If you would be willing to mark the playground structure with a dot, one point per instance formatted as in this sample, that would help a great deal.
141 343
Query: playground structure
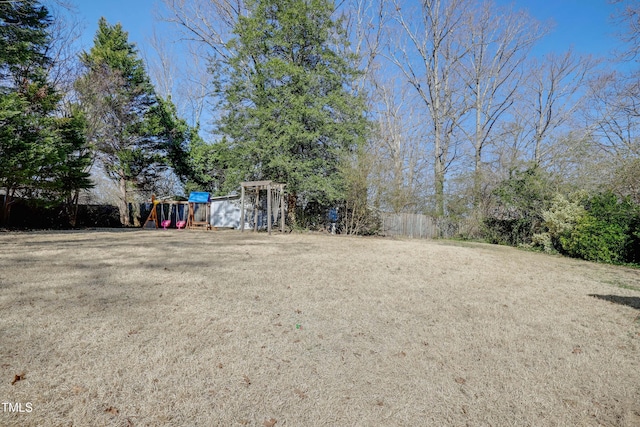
171 213
175 213
199 210
260 201
274 194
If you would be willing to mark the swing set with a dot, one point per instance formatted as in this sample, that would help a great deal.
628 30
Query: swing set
172 212
265 198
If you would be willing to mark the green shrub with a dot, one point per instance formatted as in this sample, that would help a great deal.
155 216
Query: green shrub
608 232
559 220
518 203
596 240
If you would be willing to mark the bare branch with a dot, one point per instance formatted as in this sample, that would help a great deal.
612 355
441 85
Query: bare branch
429 54
209 22
554 92
499 41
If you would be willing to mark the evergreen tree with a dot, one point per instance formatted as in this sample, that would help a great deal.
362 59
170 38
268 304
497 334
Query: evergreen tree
288 113
117 94
72 175
24 40
34 149
186 152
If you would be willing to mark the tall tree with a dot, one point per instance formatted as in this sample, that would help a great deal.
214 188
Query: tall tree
35 148
118 96
429 56
288 112
72 175
397 147
498 43
553 93
614 114
23 95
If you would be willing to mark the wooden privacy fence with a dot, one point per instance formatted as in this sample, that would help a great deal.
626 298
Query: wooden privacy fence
418 226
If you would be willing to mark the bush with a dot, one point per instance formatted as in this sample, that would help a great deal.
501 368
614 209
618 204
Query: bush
516 214
506 231
607 232
596 240
559 220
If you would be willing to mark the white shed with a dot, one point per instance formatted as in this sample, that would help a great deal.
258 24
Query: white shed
225 211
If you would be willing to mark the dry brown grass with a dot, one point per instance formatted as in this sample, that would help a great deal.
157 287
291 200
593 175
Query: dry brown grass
181 328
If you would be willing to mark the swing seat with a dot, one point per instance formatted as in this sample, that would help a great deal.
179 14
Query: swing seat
181 224
166 223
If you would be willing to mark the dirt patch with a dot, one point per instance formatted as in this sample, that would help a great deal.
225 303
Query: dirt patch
152 328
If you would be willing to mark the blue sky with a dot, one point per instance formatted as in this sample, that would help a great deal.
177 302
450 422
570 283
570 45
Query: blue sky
583 24
136 16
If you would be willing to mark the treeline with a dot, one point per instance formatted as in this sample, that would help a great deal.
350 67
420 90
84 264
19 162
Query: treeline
288 112
464 121
435 107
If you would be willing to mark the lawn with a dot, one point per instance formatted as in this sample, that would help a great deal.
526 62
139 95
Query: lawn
195 328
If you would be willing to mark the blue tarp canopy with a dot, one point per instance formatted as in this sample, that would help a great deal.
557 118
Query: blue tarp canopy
199 197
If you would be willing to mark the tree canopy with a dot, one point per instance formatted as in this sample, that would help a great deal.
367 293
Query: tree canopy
40 152
117 92
289 113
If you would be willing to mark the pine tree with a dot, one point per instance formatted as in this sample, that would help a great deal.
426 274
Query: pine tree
73 174
34 149
24 39
289 115
181 143
117 94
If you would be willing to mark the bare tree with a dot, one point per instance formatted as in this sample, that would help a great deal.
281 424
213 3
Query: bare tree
614 113
162 65
398 146
428 51
65 32
553 92
498 41
365 21
208 22
628 18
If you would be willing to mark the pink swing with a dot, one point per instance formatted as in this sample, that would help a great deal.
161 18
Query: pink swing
165 222
180 222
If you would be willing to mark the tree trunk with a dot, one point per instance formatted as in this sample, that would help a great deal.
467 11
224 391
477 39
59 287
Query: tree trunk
71 207
438 170
477 173
536 150
477 177
439 187
291 209
123 206
6 207
136 213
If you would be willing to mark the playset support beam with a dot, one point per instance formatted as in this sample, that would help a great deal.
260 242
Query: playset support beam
254 188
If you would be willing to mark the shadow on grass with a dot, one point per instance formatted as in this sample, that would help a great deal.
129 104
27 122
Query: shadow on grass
633 302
